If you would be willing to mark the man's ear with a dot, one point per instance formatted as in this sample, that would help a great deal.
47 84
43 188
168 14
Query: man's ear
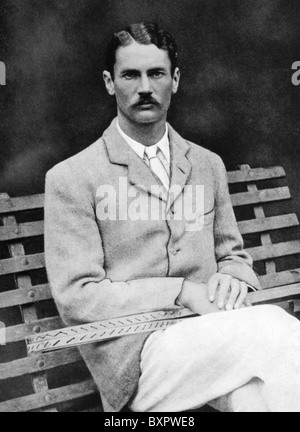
109 83
176 80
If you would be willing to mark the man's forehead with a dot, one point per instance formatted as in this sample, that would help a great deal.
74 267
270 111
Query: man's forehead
136 56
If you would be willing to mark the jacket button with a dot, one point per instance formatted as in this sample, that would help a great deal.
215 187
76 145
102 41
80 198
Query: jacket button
173 251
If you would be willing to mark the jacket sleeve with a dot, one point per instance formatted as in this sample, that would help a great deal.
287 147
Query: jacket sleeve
75 261
231 257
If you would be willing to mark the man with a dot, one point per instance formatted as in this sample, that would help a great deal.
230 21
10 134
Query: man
104 261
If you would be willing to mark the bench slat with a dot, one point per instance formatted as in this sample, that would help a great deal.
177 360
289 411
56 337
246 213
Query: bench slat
39 363
21 331
22 264
240 199
22 297
30 229
271 251
31 202
256 174
49 398
268 224
296 306
281 278
279 294
260 196
35 229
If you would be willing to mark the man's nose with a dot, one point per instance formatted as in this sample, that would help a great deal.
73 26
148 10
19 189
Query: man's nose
145 85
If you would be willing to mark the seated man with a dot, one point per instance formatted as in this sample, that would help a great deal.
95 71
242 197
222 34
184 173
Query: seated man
142 221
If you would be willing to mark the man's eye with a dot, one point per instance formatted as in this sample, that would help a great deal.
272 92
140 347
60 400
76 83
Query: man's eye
157 74
129 75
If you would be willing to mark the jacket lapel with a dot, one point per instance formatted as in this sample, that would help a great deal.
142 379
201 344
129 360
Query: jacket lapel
139 174
180 166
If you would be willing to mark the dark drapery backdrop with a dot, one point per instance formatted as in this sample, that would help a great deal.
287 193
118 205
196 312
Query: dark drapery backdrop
236 95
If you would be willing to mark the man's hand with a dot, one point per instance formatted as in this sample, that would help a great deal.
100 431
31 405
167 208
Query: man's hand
229 293
194 296
222 292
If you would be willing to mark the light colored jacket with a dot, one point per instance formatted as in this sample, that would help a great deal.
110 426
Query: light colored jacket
102 269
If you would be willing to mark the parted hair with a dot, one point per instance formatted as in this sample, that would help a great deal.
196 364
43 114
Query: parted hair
145 33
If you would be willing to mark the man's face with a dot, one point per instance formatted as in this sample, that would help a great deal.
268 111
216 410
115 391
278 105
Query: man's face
143 84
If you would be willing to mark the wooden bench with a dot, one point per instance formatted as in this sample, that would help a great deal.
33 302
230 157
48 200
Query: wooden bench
59 381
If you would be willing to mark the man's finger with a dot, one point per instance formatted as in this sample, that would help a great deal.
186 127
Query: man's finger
213 284
234 294
224 287
248 302
243 296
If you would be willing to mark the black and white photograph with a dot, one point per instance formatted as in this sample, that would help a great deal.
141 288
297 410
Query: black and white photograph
149 208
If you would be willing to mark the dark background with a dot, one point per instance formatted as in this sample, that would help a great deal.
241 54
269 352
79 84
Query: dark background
236 96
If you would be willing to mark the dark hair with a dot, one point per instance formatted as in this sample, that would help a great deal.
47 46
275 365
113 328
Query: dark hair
144 33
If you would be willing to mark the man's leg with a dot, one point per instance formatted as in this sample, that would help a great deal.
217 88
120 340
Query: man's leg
245 399
255 351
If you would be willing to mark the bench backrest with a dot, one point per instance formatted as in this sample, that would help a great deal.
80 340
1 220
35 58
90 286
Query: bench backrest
60 380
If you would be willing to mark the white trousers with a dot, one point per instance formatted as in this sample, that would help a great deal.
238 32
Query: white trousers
241 361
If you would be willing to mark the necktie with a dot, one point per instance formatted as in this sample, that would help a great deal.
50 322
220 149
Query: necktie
158 165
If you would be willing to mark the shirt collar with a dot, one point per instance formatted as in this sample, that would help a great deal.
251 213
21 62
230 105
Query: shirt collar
139 148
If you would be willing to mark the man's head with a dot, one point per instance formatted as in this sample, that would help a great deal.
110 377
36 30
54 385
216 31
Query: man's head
141 72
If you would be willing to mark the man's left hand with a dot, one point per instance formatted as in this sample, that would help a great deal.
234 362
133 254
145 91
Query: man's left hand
229 293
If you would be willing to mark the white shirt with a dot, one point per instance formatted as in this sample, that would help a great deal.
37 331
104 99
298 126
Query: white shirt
163 144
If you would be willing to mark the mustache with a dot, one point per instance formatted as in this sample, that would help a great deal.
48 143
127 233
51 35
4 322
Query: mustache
145 100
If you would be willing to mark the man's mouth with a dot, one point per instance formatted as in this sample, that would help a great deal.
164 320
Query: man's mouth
147 103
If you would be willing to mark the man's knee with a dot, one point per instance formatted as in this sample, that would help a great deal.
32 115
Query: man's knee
269 312
271 320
